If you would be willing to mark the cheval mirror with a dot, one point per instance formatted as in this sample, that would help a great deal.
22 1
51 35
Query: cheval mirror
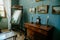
16 15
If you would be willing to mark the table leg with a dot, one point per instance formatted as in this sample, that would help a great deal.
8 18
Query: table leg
25 34
14 38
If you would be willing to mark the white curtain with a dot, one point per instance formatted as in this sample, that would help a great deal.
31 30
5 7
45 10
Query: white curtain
7 4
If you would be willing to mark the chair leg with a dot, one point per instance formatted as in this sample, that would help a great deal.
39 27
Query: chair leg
0 31
25 39
14 38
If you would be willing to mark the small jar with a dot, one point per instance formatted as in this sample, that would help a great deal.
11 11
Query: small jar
38 20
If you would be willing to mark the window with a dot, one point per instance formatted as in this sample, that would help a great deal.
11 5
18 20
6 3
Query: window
2 10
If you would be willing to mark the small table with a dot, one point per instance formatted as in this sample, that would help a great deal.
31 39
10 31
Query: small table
7 35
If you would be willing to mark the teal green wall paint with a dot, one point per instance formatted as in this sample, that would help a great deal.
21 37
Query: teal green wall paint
14 2
4 23
53 18
30 4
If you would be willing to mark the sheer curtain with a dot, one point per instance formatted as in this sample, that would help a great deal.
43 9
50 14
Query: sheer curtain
7 5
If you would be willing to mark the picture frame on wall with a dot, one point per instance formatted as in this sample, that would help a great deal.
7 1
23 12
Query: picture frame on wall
56 9
37 0
32 10
42 9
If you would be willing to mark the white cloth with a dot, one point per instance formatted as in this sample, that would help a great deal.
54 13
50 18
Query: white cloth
6 35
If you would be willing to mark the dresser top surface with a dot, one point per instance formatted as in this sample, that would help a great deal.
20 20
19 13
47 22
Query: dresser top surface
43 27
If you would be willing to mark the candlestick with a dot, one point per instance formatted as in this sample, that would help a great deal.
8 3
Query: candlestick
47 19
32 19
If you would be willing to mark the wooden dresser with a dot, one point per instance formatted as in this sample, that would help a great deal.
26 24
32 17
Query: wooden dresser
38 32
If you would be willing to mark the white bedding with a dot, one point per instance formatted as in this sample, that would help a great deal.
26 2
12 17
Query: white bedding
6 35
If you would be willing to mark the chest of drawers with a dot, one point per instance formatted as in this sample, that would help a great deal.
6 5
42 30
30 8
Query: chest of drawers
39 32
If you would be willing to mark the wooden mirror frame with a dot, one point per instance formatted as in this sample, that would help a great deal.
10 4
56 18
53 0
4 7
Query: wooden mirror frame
43 10
56 9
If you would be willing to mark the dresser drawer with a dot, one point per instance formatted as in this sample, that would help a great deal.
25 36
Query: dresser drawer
39 30
42 32
30 34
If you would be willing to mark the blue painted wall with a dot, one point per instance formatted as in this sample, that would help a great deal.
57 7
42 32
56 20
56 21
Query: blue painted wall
53 18
14 2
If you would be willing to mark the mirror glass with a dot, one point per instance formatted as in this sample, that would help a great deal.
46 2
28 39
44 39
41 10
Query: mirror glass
16 16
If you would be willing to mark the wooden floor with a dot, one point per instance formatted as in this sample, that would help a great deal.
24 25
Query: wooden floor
19 37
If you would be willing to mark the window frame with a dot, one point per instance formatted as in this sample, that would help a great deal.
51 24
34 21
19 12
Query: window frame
3 10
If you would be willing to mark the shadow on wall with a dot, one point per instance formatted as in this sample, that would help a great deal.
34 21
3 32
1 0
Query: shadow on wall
26 16
24 19
56 34
15 2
